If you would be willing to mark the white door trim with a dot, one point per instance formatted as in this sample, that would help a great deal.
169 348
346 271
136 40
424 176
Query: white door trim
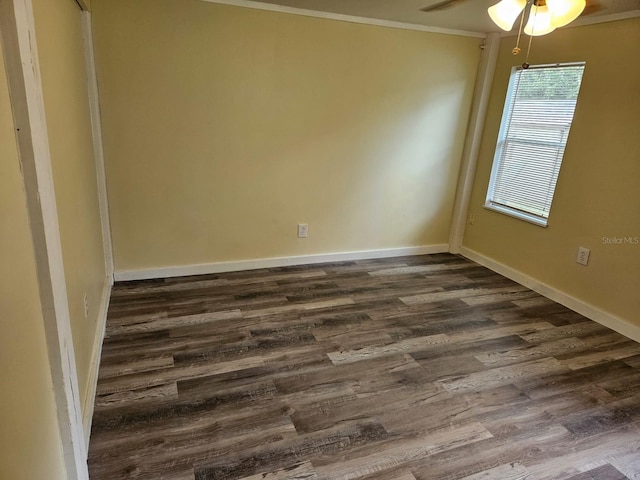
21 57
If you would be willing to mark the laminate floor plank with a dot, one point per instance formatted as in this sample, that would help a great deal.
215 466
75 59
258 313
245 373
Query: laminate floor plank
488 454
401 451
571 458
554 384
412 368
579 330
509 471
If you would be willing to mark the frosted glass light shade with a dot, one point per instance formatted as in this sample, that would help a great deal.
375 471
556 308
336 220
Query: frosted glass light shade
565 11
505 12
539 21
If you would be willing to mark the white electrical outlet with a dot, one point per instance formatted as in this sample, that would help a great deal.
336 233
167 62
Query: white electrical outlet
303 230
86 306
472 218
583 256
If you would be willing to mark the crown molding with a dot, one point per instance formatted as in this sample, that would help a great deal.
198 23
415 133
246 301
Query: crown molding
595 19
345 18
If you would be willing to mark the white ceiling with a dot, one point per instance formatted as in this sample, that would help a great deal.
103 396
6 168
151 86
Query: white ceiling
467 15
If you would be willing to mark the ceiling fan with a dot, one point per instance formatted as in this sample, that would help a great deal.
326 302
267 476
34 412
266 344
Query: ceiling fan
440 5
542 16
592 6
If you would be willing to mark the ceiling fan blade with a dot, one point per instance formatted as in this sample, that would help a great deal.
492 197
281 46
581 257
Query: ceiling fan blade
592 7
440 5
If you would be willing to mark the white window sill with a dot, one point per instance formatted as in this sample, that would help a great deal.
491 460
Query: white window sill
527 217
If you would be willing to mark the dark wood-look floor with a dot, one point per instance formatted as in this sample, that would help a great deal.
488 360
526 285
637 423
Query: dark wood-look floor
415 368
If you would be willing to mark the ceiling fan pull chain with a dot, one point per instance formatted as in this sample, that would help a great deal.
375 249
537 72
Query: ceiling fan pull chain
525 65
516 50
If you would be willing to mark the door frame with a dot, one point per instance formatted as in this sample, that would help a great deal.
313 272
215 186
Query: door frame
18 34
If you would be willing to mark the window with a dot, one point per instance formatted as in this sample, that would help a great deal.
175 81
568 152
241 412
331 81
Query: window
536 119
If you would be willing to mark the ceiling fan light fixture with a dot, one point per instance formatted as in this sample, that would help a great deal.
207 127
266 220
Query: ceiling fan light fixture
540 21
564 12
505 12
543 18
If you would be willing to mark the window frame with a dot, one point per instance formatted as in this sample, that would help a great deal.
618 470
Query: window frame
505 121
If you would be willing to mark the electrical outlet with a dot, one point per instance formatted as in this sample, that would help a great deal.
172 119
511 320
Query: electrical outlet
583 256
86 306
303 230
472 218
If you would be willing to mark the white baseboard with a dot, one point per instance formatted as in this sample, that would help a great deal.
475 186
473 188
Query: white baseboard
220 267
596 314
92 384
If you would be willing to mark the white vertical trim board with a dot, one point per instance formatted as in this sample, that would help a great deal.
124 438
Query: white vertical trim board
596 314
98 150
92 384
96 131
21 56
482 90
83 4
272 7
241 265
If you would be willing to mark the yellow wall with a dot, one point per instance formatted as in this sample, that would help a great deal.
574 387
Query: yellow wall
225 127
64 83
30 446
598 191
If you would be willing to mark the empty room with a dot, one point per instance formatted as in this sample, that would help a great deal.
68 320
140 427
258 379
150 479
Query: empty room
320 240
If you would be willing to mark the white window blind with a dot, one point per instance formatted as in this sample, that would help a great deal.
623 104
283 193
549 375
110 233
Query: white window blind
535 127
